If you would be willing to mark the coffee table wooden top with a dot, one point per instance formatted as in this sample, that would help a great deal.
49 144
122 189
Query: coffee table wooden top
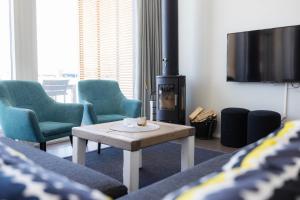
132 141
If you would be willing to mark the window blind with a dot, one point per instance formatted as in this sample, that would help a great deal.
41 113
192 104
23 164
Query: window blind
106 41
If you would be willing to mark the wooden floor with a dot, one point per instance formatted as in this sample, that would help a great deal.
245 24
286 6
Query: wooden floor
64 149
214 145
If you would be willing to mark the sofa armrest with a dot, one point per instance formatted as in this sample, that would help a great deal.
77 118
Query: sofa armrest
21 124
67 112
131 107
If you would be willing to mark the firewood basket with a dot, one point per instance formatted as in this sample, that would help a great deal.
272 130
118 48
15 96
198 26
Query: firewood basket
205 129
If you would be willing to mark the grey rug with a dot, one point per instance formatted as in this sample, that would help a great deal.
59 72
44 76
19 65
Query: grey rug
159 162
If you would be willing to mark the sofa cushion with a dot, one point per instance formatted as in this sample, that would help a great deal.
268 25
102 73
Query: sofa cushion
78 173
109 118
54 128
160 189
20 179
268 169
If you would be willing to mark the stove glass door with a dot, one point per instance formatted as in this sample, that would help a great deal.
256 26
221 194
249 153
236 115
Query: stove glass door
167 97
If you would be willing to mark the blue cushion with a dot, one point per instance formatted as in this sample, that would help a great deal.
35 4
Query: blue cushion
267 169
21 179
109 118
53 128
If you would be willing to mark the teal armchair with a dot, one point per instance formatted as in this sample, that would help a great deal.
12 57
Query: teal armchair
27 113
104 102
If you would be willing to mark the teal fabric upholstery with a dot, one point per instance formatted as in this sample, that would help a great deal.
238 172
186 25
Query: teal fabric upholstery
109 118
28 113
54 128
104 102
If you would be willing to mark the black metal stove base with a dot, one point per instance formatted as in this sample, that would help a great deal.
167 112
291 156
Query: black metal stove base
171 94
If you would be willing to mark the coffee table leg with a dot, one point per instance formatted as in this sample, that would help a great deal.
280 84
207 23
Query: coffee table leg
187 152
131 170
79 147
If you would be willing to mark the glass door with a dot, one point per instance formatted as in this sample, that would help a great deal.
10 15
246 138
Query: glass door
58 48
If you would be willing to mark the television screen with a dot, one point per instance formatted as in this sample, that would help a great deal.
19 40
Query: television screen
270 55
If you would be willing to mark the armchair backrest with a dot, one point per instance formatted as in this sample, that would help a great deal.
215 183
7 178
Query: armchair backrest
105 95
26 94
4 100
4 96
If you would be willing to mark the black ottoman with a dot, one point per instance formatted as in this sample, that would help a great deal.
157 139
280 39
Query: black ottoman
234 127
261 123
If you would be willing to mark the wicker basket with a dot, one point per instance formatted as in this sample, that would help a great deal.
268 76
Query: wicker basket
205 129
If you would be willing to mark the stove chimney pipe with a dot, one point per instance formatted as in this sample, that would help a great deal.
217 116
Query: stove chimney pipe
170 37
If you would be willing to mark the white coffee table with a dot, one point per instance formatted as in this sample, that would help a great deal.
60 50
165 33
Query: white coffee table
132 145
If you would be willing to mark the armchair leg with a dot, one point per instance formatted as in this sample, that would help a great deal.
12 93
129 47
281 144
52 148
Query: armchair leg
71 139
43 146
99 148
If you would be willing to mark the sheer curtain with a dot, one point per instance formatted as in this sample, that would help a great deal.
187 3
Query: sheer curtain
148 49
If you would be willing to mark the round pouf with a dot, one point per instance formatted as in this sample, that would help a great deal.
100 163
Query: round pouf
234 127
261 123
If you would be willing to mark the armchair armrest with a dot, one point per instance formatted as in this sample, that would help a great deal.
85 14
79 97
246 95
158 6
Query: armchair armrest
89 115
131 108
69 113
22 124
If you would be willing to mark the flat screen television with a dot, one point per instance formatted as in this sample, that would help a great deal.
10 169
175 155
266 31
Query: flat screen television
269 55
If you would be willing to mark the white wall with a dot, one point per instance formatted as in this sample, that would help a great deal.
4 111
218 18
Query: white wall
203 29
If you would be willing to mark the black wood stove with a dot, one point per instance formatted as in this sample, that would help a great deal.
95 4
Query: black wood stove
170 87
